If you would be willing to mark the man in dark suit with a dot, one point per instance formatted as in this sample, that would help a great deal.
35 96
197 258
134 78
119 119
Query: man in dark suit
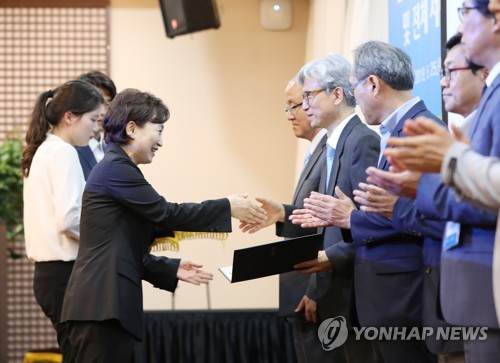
292 285
91 154
328 105
329 292
387 260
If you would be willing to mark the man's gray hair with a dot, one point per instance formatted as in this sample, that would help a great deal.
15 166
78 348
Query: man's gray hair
391 64
330 72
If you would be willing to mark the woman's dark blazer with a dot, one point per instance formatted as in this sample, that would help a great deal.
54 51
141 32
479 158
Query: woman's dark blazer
121 215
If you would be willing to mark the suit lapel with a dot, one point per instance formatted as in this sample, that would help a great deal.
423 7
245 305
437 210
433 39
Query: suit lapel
398 130
339 150
315 158
482 105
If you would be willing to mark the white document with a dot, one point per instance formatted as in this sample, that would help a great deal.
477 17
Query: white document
227 271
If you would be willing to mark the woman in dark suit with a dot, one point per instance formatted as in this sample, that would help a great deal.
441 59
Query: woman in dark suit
121 216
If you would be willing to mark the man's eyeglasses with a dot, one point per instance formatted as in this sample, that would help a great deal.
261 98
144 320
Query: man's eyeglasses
292 109
447 73
463 11
308 96
350 89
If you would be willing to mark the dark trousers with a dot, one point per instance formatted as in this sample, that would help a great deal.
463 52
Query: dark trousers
410 351
49 285
357 351
101 342
309 349
307 345
484 351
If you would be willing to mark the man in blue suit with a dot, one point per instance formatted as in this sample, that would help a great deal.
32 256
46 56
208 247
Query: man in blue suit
351 148
388 271
466 262
466 286
462 82
91 154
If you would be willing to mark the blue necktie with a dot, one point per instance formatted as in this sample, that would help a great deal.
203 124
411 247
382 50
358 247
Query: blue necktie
330 152
306 159
384 135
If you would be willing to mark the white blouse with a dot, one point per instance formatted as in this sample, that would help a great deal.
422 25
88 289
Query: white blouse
53 202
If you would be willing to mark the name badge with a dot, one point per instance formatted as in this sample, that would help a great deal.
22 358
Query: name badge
451 235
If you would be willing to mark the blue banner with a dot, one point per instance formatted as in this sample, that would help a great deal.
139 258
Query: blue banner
415 26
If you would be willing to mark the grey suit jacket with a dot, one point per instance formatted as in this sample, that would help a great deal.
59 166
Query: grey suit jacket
357 149
292 284
474 177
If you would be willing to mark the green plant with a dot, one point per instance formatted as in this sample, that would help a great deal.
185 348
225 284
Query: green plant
11 186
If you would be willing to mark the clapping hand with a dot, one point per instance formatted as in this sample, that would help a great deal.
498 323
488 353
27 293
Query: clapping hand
321 210
403 183
424 147
373 199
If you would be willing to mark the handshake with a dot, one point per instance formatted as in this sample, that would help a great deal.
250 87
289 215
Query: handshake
319 210
247 210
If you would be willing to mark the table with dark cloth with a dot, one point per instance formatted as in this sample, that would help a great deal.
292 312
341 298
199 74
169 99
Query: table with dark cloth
216 336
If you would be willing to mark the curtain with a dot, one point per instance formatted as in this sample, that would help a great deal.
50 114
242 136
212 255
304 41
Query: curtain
341 25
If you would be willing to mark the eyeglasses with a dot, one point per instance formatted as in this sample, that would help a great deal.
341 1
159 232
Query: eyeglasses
447 73
292 109
308 96
463 11
351 88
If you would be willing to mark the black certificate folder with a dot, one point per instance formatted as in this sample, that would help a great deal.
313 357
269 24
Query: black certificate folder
272 258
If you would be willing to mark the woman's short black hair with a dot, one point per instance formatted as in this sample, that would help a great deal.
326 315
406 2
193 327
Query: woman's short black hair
132 105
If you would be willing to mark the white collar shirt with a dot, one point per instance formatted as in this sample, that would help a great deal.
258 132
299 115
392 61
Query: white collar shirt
333 140
389 124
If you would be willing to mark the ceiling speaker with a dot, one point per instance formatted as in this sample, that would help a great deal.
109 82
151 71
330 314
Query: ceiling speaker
276 14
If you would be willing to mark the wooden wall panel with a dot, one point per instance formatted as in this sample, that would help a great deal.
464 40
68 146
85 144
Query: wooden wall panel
40 48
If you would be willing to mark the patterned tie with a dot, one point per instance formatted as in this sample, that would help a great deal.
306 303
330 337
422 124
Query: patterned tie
330 152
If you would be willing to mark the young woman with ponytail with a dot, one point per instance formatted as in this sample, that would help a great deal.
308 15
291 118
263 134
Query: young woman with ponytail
53 188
